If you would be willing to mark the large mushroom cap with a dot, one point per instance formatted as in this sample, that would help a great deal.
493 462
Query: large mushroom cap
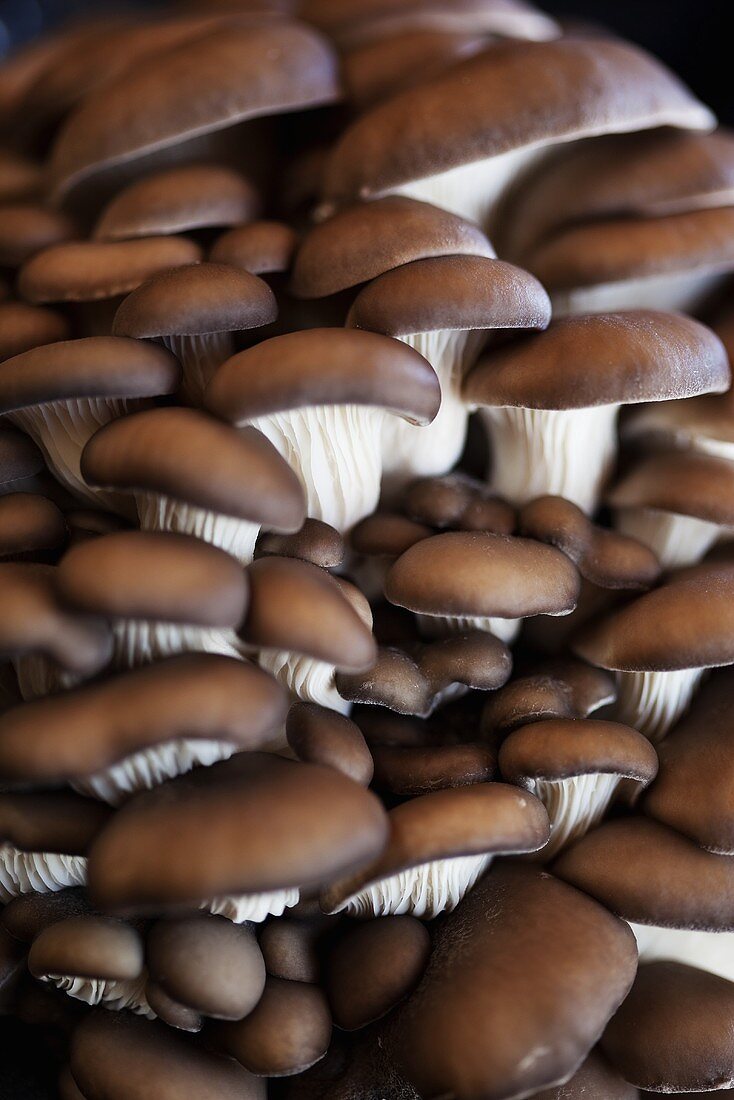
31 526
562 748
24 326
51 821
26 228
685 483
87 947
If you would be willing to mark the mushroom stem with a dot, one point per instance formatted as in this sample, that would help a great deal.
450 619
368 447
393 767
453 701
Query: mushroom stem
653 701
105 992
681 292
37 872
711 951
676 540
138 642
438 626
150 767
199 356
574 806
425 890
157 512
253 907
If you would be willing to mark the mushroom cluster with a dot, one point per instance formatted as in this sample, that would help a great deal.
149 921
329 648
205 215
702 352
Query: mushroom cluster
366 557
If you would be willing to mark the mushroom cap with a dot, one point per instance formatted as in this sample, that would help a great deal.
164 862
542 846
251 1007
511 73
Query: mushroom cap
486 106
96 366
21 177
262 247
30 525
88 523
153 576
171 1012
193 458
88 271
88 946
410 770
27 915
51 821
318 735
19 456
450 292
386 534
193 696
368 239
595 1078
178 200
219 79
671 882
458 501
482 819
323 366
316 542
24 326
254 823
603 359
292 947
564 688
535 1013
26 228
195 300
563 748
482 574
684 483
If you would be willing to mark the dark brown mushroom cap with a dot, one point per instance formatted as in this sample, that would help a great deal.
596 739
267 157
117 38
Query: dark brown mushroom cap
13 969
24 326
561 749
88 947
603 359
287 1032
194 300
177 200
684 483
603 557
214 82
292 947
458 501
647 873
19 456
316 542
97 366
324 367
68 1088
21 177
686 623
88 523
564 688
121 1057
262 247
535 1012
483 574
27 915
191 457
450 292
87 271
253 824
30 525
51 821
318 735
207 963
386 534
483 819
171 1012
410 770
368 239
298 607
473 112
674 1031
26 228
595 1078
199 696
153 576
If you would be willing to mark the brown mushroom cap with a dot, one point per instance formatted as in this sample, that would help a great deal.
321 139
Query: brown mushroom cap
88 946
385 534
410 770
24 327
30 526
561 749
316 542
26 228
26 916
21 177
170 1011
318 735
52 821
262 247
292 947
19 456
557 689
595 1078
458 501
686 483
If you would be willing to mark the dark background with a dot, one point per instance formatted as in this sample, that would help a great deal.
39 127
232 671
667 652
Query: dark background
692 36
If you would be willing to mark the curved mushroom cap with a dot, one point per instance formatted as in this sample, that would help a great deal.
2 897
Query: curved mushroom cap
535 1013
262 247
684 483
88 523
208 964
318 735
482 574
322 366
194 300
385 534
171 1012
30 526
670 882
561 749
121 1057
214 82
483 819
88 947
558 689
674 1031
603 557
21 178
52 821
252 824
686 623
373 966
486 106
96 366
458 501
368 239
603 359
87 271
19 456
193 458
26 228
26 916
296 606
177 200
410 770
153 576
199 696
316 542
24 327
595 1078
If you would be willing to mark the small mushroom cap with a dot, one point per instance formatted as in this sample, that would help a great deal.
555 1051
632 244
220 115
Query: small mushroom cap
671 882
21 178
26 228
385 534
87 271
292 947
52 821
24 327
450 292
535 1013
368 239
316 542
177 200
97 366
323 366
298 607
30 525
193 458
318 735
170 1011
88 523
195 300
88 947
562 748
483 574
603 359
558 689
153 576
684 483
27 915
262 247
486 818
410 770
207 963
595 1078
674 1031
19 456
254 824
458 501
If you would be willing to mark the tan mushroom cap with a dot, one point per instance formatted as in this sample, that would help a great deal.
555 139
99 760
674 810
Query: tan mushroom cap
193 458
51 821
411 770
561 748
458 501
316 542
87 271
563 688
178 200
603 359
262 247
199 696
482 819
684 483
214 82
26 228
88 947
30 525
24 326
486 106
325 367
318 735
482 574
368 239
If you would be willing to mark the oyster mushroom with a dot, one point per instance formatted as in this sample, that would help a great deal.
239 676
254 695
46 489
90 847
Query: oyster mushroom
24 327
264 248
319 735
20 461
27 228
563 688
31 528
316 542
292 946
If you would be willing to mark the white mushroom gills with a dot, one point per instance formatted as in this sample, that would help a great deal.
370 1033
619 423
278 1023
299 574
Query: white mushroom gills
423 891
140 642
711 951
200 357
38 676
439 626
652 702
240 908
38 872
158 512
681 291
574 806
105 992
676 539
150 767
306 679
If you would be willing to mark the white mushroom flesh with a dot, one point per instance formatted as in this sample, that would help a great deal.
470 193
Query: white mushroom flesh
157 512
683 291
105 992
150 767
711 951
652 702
38 872
438 626
139 642
574 806
200 357
424 891
677 540
37 676
253 907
